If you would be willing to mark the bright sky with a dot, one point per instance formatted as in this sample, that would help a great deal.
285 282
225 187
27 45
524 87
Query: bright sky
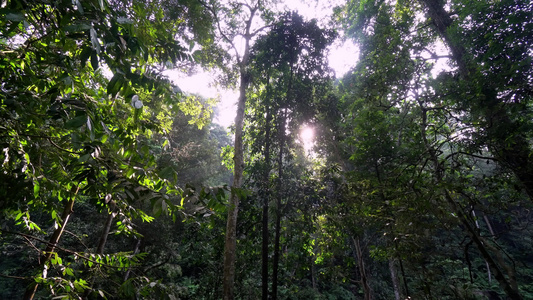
342 56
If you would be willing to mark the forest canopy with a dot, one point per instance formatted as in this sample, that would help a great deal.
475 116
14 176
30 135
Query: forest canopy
414 180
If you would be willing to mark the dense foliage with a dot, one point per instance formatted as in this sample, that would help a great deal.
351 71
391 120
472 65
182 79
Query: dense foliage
115 184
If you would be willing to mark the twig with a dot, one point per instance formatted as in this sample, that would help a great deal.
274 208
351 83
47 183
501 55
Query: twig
14 277
470 154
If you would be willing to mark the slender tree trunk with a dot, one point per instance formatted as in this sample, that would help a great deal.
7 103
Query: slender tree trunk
492 233
50 247
404 277
233 207
135 251
238 160
266 198
107 227
362 270
103 238
489 276
394 277
313 272
275 263
509 284
275 267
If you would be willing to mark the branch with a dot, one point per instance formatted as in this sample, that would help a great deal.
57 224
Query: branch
49 138
157 265
470 154
77 237
15 277
217 21
58 147
261 29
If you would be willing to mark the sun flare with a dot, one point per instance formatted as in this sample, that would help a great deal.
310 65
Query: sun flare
307 136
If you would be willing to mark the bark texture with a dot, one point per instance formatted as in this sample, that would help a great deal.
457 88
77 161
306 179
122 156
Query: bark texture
107 227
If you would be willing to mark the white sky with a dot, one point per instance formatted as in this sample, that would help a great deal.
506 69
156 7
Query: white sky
342 56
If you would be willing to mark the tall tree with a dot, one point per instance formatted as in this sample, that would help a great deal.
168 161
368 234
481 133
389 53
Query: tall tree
237 22
290 78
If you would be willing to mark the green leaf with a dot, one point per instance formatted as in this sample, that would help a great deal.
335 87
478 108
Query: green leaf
124 20
80 7
15 16
36 188
114 85
158 207
77 122
84 158
84 55
94 40
77 27
130 172
94 60
167 172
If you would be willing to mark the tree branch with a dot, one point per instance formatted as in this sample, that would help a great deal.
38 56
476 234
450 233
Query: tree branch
470 154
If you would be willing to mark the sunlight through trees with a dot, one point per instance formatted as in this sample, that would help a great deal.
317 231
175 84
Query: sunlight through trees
398 166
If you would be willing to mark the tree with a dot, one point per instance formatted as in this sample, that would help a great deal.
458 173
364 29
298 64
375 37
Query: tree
69 134
237 20
290 77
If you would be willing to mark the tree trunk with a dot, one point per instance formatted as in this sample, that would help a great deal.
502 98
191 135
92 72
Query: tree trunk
394 277
266 198
362 270
275 267
509 284
313 272
50 247
489 276
107 227
238 160
275 263
103 237
233 207
135 251
404 277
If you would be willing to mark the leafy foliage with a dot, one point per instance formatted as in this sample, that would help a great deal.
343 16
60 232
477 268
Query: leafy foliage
114 182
